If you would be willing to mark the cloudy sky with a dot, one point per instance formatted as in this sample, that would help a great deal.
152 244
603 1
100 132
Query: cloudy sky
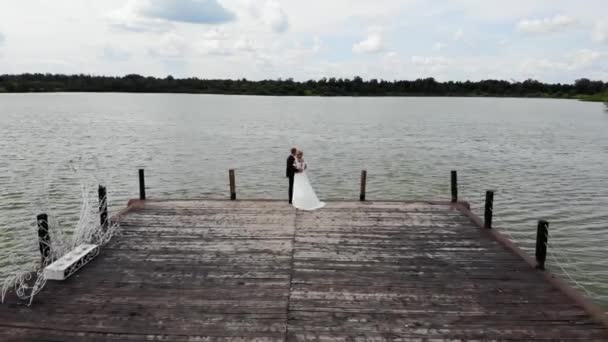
549 40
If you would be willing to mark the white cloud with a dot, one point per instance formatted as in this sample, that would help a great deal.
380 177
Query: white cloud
544 64
248 46
212 47
115 54
600 33
458 34
274 16
577 62
390 66
546 25
269 12
244 45
373 43
219 46
285 62
170 45
219 41
159 15
585 58
2 39
216 33
317 44
431 64
430 61
129 18
187 11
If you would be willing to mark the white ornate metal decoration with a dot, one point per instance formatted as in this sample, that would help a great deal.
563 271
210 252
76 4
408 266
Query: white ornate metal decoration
68 264
29 276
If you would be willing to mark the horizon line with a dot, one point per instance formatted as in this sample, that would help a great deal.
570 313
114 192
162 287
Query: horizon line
291 79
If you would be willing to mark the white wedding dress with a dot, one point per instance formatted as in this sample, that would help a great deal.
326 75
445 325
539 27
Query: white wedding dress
304 197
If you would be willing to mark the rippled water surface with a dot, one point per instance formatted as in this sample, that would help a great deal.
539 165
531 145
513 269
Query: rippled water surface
545 159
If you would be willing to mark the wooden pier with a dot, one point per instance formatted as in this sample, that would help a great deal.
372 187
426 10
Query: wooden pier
219 270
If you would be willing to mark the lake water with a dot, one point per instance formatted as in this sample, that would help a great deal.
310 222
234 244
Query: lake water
545 159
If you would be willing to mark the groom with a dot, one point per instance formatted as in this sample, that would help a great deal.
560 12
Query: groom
291 171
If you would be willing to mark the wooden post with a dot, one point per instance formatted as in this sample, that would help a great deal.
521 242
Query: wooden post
103 206
44 238
232 184
142 185
363 185
454 187
489 209
542 237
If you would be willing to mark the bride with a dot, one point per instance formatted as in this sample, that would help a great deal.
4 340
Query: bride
304 196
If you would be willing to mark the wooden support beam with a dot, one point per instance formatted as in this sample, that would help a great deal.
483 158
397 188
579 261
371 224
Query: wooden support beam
542 237
232 184
454 187
363 185
103 206
142 185
489 209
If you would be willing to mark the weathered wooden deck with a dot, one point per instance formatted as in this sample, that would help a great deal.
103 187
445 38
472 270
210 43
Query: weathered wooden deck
260 270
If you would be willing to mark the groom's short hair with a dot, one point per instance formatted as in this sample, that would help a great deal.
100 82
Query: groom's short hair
294 150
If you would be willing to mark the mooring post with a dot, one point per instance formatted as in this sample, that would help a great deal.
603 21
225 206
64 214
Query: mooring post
489 209
542 237
454 187
142 185
44 238
103 206
363 185
232 184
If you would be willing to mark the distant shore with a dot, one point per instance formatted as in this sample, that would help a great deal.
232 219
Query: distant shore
594 98
582 89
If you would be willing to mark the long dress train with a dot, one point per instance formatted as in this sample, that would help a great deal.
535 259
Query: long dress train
304 196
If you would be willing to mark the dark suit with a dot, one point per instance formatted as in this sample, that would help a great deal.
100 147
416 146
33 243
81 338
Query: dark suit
290 172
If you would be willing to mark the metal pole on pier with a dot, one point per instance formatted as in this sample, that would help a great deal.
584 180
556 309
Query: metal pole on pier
542 237
489 209
44 238
142 185
363 185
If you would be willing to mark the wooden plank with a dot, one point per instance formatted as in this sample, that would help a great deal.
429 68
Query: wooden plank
205 274
427 274
223 270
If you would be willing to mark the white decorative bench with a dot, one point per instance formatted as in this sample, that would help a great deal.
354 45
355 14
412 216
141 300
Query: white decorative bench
68 264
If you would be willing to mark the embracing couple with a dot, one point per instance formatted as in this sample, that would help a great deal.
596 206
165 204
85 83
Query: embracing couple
301 194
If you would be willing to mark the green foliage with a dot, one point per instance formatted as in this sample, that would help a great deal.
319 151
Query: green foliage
600 97
583 88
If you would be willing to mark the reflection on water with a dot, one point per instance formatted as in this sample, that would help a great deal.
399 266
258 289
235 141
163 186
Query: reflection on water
545 158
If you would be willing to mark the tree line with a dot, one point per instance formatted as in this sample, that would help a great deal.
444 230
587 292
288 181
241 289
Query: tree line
581 88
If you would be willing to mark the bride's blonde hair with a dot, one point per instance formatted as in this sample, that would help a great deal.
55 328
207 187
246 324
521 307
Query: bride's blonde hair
300 154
